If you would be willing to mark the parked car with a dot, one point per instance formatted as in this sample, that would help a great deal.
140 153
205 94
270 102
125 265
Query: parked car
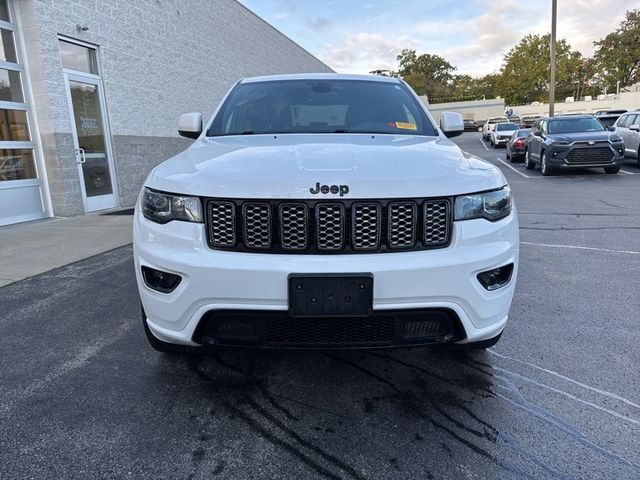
610 112
608 120
515 145
501 133
572 141
470 125
527 121
628 127
303 217
490 125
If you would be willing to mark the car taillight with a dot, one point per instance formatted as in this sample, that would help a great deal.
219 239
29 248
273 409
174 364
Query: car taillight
518 143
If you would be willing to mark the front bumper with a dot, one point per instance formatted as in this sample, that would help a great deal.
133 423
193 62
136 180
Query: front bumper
432 280
582 156
501 141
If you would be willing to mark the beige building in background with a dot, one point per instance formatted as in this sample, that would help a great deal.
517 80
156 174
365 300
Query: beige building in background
480 110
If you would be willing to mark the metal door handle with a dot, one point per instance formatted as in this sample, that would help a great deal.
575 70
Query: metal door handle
80 155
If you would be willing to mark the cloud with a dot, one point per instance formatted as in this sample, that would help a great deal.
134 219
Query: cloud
362 52
582 22
473 35
318 25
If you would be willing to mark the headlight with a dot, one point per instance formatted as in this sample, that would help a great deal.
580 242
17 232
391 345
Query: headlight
560 142
163 207
492 205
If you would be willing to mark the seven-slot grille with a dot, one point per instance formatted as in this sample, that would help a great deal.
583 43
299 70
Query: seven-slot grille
352 226
590 155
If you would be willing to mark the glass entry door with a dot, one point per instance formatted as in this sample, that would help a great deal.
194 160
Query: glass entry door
91 142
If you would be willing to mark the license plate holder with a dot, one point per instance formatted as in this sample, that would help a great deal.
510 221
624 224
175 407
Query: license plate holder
330 295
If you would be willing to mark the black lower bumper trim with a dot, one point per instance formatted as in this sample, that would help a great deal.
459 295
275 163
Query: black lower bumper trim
279 330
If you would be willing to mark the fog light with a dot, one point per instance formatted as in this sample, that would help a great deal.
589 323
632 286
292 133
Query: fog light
496 278
159 281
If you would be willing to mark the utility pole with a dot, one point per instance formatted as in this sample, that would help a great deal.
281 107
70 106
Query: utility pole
552 81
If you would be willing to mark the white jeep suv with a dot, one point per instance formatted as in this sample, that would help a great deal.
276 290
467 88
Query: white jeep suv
324 211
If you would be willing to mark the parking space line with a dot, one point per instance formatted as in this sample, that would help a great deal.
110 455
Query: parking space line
564 394
85 354
571 380
578 247
628 173
515 170
482 142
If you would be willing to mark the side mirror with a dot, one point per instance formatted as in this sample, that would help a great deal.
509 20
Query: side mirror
190 125
635 128
451 124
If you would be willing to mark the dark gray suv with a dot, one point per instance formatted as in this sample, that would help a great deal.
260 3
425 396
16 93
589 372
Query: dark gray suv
572 141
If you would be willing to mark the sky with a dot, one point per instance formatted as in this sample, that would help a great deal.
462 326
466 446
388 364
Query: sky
357 36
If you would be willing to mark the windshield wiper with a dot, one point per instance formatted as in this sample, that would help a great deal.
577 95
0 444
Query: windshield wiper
247 132
341 130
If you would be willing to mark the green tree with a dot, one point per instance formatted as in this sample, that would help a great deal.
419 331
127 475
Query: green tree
427 74
524 77
465 87
617 55
488 85
382 72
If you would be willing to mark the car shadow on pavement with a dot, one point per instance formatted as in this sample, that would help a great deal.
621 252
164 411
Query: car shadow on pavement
329 408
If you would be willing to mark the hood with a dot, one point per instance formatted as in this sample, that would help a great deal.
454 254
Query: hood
583 136
288 166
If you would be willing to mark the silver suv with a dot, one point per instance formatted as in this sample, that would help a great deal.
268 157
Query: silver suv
628 127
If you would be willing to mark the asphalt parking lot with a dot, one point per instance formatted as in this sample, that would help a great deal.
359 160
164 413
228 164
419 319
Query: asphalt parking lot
84 396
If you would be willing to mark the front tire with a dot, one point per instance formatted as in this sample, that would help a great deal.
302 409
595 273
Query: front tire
612 170
528 163
544 165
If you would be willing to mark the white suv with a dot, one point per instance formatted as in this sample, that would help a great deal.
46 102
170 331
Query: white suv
324 211
501 133
490 125
628 127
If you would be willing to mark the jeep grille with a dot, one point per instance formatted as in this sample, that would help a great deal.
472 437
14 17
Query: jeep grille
346 226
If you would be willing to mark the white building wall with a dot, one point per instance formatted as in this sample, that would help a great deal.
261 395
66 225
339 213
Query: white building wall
624 100
470 110
158 59
483 109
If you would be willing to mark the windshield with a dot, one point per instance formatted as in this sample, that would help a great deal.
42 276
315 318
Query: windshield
523 133
573 125
608 121
501 127
321 106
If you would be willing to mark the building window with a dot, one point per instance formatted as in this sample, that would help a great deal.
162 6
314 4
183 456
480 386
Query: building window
17 160
79 58
10 86
7 47
4 11
14 126
17 165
